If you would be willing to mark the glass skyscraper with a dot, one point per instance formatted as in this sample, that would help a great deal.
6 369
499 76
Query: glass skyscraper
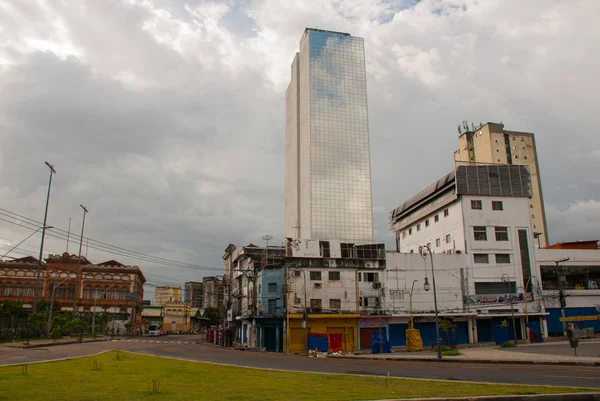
328 166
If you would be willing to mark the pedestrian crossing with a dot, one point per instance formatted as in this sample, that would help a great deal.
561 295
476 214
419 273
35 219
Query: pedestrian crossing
155 341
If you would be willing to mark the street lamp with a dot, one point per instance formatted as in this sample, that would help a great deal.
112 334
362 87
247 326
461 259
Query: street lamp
506 279
37 275
424 250
26 238
410 294
96 296
52 301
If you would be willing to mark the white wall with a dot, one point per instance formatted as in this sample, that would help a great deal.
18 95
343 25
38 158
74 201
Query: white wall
344 289
446 225
403 268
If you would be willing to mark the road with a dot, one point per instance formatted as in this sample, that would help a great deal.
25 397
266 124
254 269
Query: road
186 347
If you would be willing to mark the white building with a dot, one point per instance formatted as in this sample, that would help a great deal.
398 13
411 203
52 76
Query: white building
482 214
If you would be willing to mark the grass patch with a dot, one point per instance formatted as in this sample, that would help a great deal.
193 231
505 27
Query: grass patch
451 352
508 345
130 378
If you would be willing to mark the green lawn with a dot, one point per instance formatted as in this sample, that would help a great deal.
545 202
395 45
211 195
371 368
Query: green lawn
130 378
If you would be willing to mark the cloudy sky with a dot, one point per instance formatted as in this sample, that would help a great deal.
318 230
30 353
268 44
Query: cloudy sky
166 118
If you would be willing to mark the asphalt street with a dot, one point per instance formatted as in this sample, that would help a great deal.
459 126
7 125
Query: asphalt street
186 347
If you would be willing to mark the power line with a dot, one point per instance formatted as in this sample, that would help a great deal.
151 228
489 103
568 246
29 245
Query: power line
31 224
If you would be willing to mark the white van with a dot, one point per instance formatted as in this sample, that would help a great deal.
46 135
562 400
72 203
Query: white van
154 330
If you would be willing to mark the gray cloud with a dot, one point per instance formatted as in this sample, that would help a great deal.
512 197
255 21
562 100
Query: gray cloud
167 120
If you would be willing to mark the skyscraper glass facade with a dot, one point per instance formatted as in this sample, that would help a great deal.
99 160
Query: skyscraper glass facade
339 155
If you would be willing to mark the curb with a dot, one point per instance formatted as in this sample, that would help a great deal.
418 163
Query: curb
529 397
52 344
487 361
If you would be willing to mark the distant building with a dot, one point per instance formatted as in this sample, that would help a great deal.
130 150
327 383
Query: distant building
165 294
490 143
113 287
213 292
327 156
176 317
194 294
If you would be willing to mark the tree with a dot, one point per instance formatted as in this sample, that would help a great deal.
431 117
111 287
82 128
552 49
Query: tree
213 314
77 326
12 308
36 320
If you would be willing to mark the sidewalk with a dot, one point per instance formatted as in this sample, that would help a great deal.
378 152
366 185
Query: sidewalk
484 355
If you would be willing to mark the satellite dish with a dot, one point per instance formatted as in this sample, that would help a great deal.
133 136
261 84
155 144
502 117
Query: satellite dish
267 238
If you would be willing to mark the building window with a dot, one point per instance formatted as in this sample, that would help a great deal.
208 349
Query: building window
436 218
419 227
497 205
18 290
481 258
501 233
347 250
403 234
359 276
531 206
272 287
446 212
325 250
315 276
115 294
480 233
271 306
410 231
335 304
476 205
27 291
315 303
372 277
437 243
532 216
502 258
427 223
179 313
87 294
8 290
334 276
447 238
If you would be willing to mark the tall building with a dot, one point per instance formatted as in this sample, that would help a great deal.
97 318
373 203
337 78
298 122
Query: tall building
328 165
490 143
194 294
166 294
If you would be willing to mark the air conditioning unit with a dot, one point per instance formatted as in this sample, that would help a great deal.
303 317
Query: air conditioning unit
376 285
318 285
297 273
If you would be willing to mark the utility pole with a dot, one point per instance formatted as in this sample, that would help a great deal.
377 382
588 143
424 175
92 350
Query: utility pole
506 279
561 292
85 211
39 269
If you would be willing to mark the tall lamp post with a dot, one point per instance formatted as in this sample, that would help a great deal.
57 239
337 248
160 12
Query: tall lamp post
410 294
424 251
85 211
506 279
96 296
37 275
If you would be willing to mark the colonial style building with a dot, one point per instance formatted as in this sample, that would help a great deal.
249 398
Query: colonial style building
108 287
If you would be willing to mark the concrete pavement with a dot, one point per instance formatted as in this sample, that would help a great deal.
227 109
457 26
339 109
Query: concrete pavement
556 353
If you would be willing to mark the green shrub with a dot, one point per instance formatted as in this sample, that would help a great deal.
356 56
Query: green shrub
508 345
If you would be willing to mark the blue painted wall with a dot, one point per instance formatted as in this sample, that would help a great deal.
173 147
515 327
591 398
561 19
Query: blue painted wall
266 277
555 326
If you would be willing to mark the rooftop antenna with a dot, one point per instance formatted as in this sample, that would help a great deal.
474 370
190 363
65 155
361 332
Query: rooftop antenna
465 125
459 131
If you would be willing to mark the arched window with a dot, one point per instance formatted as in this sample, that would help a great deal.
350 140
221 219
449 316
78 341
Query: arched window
0 289
17 290
179 313
61 291
106 294
8 290
27 290
115 294
87 294
71 291
97 292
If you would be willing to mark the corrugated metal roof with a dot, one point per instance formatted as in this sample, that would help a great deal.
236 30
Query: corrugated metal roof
152 312
442 182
